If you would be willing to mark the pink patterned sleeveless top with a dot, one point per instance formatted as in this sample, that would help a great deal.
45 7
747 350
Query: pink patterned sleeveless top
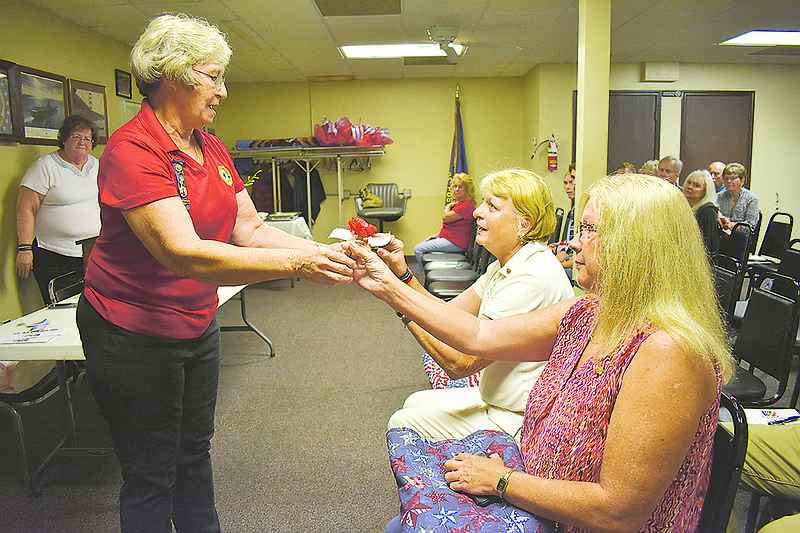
567 415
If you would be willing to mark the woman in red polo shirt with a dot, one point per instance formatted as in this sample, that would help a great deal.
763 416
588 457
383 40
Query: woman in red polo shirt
176 224
457 222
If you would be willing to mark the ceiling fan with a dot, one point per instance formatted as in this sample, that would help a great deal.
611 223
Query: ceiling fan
445 36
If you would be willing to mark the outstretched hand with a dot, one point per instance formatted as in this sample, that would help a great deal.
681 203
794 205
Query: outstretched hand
370 272
328 265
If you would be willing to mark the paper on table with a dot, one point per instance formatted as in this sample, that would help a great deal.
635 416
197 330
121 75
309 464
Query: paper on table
37 333
765 416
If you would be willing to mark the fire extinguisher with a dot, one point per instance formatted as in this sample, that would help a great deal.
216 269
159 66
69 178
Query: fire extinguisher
552 154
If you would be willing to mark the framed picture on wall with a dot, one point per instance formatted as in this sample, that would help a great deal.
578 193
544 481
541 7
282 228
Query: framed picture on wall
123 83
43 98
90 100
9 104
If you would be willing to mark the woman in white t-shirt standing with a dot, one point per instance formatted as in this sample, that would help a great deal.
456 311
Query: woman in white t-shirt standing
57 206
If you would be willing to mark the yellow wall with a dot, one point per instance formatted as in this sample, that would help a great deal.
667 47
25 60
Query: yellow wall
71 51
500 117
420 117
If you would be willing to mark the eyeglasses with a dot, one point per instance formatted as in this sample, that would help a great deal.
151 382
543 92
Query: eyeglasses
584 228
730 177
217 80
80 139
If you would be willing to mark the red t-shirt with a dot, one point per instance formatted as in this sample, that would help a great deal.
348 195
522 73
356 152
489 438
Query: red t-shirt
460 231
124 282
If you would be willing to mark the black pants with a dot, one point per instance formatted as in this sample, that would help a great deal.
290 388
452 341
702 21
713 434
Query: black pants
48 265
158 397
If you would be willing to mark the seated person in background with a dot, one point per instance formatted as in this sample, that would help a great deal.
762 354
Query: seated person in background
457 222
699 191
619 428
626 168
562 249
514 221
669 169
649 168
716 169
57 203
772 468
736 204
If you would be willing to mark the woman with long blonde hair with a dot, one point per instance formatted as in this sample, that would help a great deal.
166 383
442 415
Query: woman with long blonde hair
619 429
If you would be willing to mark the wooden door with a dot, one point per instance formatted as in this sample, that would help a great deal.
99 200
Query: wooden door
716 126
634 127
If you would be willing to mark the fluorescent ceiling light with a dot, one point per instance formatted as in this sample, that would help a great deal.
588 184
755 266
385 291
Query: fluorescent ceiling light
766 38
396 50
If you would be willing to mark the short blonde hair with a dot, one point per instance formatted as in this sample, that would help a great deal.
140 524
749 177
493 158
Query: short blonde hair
649 166
171 45
466 181
530 196
703 177
654 268
736 168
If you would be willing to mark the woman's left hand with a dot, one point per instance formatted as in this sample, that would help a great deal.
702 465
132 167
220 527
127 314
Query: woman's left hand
473 474
370 273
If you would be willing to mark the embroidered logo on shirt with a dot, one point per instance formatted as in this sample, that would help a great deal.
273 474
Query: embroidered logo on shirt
225 174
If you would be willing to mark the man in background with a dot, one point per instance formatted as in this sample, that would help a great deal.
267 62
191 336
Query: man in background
669 168
716 169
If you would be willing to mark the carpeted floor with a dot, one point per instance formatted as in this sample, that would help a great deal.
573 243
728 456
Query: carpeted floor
300 442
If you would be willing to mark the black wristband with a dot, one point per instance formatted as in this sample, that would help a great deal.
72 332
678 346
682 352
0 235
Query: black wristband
25 248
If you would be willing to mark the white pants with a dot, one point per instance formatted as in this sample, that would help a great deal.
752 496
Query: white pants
440 414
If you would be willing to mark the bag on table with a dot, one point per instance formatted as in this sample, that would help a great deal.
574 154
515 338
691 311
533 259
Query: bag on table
426 500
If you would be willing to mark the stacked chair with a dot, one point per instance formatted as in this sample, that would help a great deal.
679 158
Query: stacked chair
449 283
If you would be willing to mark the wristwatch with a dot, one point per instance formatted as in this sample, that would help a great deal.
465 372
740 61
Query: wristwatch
503 482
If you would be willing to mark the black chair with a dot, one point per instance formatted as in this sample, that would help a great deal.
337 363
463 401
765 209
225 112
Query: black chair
726 469
46 386
737 244
394 203
773 245
756 233
556 235
728 277
777 235
64 286
765 341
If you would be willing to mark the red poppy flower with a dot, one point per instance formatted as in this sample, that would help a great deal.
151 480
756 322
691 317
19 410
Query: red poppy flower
362 228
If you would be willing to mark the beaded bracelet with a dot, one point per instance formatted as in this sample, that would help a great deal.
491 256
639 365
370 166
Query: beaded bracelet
406 278
25 248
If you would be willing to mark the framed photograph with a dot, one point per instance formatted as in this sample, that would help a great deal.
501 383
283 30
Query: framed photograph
123 79
90 100
43 98
10 111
